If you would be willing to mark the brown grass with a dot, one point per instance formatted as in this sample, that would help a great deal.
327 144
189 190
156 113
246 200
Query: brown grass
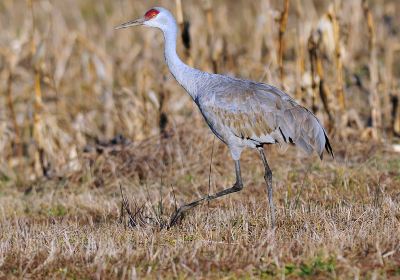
88 109
335 219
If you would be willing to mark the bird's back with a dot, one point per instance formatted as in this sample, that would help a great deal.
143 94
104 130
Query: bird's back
243 112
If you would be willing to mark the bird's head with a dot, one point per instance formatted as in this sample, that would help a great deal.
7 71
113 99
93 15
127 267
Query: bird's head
155 17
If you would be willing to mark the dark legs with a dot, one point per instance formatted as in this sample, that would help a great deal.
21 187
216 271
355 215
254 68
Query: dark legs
236 187
268 180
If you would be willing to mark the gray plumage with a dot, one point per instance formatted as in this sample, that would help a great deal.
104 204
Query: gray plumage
241 113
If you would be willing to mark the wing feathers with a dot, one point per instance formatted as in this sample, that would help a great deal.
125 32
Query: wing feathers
304 128
265 114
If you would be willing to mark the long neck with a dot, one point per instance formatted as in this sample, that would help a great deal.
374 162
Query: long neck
185 75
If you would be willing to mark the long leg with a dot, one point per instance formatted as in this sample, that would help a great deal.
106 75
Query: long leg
236 187
268 180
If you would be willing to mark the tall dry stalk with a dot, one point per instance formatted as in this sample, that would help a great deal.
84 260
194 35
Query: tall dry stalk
10 104
179 12
40 166
207 4
300 51
263 37
104 72
282 29
355 42
185 29
141 79
388 111
318 76
258 42
332 15
163 97
396 114
374 98
391 112
324 91
312 54
162 114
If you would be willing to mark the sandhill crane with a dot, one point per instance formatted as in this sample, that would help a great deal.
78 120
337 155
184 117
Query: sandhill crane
241 113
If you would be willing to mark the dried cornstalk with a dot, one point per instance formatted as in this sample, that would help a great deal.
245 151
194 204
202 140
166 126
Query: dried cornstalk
185 35
324 91
179 12
106 77
312 53
259 34
300 51
210 35
40 158
282 29
392 115
163 96
338 58
142 78
10 104
162 114
39 163
376 114
63 59
388 111
317 70
396 114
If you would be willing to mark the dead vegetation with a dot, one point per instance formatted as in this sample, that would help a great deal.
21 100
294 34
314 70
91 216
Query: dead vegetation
90 114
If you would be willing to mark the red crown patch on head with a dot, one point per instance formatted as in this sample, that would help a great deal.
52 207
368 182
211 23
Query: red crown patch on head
151 13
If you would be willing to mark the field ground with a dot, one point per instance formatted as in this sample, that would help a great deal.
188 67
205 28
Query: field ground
70 84
336 218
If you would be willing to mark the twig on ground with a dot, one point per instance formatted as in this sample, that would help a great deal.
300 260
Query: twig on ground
125 206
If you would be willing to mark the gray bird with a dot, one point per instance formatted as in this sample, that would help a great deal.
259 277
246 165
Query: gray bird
241 113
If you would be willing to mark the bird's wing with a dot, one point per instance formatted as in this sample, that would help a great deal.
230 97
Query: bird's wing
262 113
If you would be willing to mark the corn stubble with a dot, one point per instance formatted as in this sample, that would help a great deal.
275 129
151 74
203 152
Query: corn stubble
99 145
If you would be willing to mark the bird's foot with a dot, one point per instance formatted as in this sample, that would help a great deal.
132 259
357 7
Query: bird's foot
176 218
178 215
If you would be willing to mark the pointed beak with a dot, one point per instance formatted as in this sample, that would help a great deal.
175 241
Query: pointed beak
135 22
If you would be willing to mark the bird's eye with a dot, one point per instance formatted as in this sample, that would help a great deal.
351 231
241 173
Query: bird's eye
151 13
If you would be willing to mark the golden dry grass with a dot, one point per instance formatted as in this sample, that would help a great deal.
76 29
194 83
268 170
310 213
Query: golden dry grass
336 219
70 84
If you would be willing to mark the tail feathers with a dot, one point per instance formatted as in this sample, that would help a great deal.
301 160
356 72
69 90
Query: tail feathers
320 140
305 131
328 147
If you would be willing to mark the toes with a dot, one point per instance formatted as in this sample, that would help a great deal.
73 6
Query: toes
175 218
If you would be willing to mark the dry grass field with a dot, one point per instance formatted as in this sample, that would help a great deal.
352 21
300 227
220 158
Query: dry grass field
99 144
